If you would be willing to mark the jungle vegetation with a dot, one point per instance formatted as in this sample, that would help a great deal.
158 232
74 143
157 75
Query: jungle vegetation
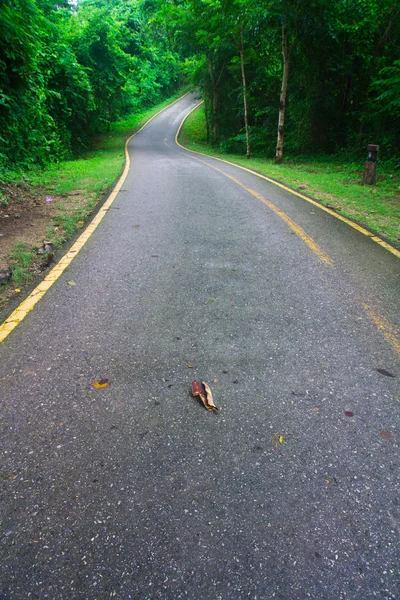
278 77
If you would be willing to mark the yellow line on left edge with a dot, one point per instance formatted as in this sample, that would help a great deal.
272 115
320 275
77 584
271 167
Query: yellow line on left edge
30 302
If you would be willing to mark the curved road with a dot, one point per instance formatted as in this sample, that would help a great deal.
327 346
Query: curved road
201 270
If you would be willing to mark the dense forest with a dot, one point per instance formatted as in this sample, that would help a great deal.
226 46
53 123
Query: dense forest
68 71
277 76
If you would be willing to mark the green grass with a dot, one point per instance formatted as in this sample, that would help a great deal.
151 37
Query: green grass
88 178
325 179
22 261
98 170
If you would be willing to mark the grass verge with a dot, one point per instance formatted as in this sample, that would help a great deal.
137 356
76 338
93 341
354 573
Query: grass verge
51 205
22 258
337 185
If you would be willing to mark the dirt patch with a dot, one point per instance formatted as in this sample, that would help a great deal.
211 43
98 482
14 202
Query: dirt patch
29 216
25 216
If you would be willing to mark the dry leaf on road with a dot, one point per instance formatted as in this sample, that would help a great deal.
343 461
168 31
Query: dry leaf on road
202 389
103 383
277 438
349 413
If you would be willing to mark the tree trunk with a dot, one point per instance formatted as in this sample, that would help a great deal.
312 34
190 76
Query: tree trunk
246 114
282 102
207 115
215 117
214 120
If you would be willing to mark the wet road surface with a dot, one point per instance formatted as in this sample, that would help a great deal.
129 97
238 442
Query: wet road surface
135 490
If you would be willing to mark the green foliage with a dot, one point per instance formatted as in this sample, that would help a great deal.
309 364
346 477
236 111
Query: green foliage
389 87
67 73
343 86
333 180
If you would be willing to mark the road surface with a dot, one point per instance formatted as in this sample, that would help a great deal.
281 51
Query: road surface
204 271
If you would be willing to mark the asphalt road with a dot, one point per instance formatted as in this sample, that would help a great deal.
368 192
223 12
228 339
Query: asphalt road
135 490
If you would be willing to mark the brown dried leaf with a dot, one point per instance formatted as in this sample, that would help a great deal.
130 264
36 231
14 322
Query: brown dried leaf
386 435
197 388
210 402
202 389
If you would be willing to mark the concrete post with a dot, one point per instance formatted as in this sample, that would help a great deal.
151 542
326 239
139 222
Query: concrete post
369 177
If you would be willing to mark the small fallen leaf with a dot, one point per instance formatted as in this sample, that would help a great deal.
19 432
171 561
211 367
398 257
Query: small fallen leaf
315 410
103 383
349 413
384 372
190 366
202 389
277 438
17 290
386 435
80 223
72 283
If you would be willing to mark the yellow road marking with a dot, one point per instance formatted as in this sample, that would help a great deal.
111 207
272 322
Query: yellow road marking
293 226
359 228
30 302
391 335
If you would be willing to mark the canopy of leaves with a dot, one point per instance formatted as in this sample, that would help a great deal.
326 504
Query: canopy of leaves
343 82
67 72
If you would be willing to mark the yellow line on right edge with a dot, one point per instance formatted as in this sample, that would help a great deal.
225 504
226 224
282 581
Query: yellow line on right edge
389 332
30 302
352 224
293 226
391 335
